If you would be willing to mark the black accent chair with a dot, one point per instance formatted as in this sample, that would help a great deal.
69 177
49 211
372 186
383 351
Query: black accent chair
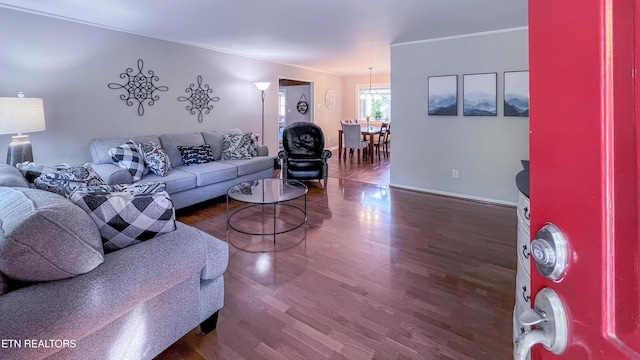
304 156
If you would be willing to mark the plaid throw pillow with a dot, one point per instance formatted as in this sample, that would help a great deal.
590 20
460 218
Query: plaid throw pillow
236 146
199 154
127 157
155 158
253 147
125 219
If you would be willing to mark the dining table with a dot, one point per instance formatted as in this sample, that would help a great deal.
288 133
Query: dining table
369 131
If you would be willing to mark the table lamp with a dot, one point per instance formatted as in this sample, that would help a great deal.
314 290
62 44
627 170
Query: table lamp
20 115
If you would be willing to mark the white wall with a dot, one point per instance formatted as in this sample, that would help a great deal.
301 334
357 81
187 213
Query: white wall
486 150
69 65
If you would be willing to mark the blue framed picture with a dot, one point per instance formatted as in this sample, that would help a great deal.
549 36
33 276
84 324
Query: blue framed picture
516 93
443 95
480 94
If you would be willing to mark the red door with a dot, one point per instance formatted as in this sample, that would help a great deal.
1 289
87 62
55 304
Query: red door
584 167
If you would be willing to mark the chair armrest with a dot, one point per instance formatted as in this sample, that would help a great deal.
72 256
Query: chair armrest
326 154
283 155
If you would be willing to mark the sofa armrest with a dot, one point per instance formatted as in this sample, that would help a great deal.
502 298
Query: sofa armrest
76 307
263 150
113 174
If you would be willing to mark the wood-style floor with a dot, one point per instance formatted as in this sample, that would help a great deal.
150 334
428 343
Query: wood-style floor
376 273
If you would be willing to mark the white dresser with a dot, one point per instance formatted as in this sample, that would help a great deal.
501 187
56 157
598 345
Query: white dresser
523 275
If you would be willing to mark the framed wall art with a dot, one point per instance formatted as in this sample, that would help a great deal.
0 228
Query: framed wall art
480 94
443 95
516 93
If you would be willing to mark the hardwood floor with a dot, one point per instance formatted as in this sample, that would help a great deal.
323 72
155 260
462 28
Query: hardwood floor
376 273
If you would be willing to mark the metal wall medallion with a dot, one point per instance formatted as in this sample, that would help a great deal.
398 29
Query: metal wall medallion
139 87
302 105
199 99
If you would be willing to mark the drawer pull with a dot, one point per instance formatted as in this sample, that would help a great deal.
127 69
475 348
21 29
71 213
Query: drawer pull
527 215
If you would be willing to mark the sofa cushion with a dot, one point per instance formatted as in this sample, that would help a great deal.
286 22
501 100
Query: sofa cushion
65 181
198 154
236 146
99 147
213 172
155 158
45 237
215 138
11 176
128 157
177 180
250 166
170 144
126 218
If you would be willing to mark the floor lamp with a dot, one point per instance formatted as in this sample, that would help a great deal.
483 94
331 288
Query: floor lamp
20 115
262 86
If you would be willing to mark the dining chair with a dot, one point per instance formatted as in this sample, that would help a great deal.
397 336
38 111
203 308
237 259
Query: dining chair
383 141
353 139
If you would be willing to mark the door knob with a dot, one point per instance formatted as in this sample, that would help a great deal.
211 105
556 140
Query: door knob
550 320
550 250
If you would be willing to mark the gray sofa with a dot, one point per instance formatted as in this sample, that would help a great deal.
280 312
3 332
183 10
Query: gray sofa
129 304
190 184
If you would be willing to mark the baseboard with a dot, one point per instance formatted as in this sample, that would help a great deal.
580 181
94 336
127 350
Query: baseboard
456 195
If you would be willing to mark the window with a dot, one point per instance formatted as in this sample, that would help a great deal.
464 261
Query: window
375 103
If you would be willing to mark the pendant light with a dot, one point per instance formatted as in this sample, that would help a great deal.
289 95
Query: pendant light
368 94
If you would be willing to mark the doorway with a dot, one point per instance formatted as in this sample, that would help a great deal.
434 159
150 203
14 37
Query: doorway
295 103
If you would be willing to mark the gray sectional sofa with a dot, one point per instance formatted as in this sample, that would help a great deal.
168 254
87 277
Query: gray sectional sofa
75 302
187 185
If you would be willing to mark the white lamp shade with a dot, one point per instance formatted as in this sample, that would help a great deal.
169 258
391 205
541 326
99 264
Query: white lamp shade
262 85
21 115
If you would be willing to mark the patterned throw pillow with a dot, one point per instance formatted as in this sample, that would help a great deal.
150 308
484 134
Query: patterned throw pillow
199 154
127 157
155 158
124 218
135 189
236 146
66 180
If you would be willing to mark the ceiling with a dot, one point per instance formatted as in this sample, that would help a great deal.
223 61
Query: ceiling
343 37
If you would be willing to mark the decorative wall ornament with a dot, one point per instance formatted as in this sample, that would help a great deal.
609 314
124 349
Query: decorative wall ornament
139 87
303 105
330 99
199 99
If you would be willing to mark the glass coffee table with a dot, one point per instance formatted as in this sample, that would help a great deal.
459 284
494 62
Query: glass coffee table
274 192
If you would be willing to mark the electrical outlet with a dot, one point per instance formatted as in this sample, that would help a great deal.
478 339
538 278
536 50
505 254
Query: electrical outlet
455 173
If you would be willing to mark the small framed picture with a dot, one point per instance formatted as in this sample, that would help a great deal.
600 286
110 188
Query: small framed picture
516 93
480 94
443 95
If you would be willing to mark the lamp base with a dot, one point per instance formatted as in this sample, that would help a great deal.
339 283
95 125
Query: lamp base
19 150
